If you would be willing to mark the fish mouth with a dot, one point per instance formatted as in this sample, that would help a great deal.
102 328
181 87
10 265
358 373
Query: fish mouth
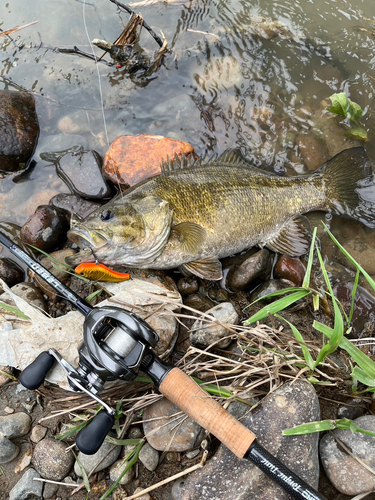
88 238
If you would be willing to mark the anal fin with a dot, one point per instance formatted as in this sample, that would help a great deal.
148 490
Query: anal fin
209 268
293 239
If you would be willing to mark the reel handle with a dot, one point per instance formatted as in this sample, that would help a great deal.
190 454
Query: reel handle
33 375
91 437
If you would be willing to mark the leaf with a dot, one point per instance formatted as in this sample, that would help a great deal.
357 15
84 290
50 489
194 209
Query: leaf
14 310
306 279
358 132
340 104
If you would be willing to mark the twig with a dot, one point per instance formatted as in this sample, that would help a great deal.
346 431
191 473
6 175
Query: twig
55 482
17 28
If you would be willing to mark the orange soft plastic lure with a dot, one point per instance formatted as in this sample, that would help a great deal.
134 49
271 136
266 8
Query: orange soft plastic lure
100 272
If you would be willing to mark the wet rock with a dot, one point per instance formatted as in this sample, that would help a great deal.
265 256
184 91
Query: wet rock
29 292
19 129
207 332
73 203
290 269
199 302
292 404
117 469
76 166
360 249
179 433
344 471
37 433
51 459
188 286
11 272
59 273
268 287
27 488
15 425
354 408
149 457
103 458
313 150
131 159
254 269
46 229
8 450
24 460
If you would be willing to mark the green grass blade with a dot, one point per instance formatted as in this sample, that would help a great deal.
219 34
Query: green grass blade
13 310
309 428
306 353
277 306
362 377
306 279
355 286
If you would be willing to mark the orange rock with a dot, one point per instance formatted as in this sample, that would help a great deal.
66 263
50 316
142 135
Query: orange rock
132 159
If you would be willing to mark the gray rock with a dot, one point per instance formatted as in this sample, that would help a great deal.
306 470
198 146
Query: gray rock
225 476
8 450
353 408
206 332
344 472
117 469
15 425
178 433
103 458
27 488
50 490
37 433
51 459
149 457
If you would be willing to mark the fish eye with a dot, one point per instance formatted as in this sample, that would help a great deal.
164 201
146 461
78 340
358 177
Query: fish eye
106 215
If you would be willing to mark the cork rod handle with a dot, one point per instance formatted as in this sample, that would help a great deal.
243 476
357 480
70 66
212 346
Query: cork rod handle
195 402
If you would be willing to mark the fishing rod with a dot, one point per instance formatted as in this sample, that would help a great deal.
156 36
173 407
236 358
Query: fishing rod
117 345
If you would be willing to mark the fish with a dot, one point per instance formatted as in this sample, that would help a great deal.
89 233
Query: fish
196 212
100 272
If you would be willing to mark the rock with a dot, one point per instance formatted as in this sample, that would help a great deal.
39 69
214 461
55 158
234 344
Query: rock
131 159
290 268
205 332
46 229
73 203
37 433
75 166
15 425
199 302
28 292
11 272
344 472
19 129
225 476
354 408
8 450
135 433
103 458
313 150
270 286
146 496
174 434
117 469
26 452
149 457
59 142
253 270
27 488
187 286
50 490
51 459
59 272
4 379
76 123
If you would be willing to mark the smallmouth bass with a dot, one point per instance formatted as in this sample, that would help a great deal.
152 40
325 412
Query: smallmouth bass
195 213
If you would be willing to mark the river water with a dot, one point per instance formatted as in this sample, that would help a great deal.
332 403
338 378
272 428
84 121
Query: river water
255 75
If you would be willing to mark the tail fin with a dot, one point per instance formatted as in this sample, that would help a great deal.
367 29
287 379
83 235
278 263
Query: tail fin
350 185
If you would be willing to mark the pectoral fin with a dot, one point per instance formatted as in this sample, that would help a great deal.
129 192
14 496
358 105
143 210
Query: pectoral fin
191 236
209 269
293 239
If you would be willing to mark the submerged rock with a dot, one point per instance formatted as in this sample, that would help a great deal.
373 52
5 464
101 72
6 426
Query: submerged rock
225 476
131 159
19 129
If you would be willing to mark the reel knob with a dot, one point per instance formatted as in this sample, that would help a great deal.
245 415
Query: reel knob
91 437
33 375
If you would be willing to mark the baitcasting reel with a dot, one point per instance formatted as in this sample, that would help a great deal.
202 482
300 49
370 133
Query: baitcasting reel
116 344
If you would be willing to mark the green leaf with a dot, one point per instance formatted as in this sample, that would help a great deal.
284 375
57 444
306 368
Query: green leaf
306 279
340 104
277 306
358 132
326 425
13 310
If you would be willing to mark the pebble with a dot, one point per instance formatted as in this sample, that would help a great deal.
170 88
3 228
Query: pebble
149 457
38 432
26 453
131 159
179 433
345 473
8 410
146 496
27 488
15 425
51 459
105 456
73 203
8 450
187 286
46 229
19 129
117 469
251 271
290 269
206 333
199 302
11 272
225 476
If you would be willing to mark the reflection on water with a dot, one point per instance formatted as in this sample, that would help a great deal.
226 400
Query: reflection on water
249 75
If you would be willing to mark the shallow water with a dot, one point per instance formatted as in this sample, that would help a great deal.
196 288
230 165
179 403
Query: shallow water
234 79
